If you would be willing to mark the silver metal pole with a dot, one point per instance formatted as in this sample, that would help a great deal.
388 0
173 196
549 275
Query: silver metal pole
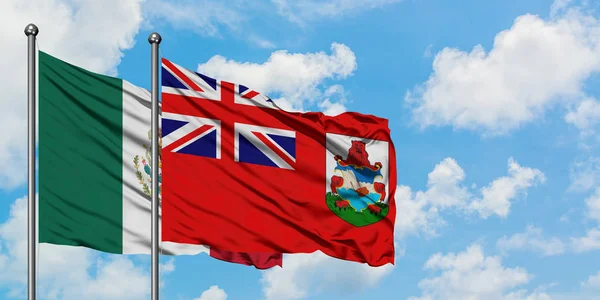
31 32
154 39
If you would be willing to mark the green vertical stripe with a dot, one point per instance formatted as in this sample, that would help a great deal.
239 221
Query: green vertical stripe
80 156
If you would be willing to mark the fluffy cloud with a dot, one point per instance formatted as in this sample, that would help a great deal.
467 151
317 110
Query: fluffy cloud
496 196
209 18
76 31
83 273
318 272
586 116
585 174
168 267
532 66
414 214
593 282
524 295
558 6
472 275
215 19
593 205
590 242
334 101
532 239
296 77
202 16
301 11
419 211
213 293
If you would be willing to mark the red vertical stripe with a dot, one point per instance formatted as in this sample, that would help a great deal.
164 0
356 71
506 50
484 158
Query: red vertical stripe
227 127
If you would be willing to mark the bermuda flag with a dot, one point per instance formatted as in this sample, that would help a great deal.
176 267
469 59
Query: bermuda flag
241 174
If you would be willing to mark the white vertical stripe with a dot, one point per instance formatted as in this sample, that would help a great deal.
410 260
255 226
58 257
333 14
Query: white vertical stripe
136 204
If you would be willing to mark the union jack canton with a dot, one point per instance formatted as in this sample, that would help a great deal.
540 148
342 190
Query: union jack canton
214 133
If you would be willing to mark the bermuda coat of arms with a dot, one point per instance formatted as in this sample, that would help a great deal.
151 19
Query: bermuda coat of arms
357 191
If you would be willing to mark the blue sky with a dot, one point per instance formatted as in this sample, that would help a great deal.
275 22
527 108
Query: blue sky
493 112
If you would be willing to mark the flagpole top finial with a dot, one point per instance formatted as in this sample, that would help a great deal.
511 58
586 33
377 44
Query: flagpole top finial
31 29
154 38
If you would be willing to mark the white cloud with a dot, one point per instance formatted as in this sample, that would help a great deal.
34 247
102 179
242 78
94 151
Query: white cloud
585 174
332 106
414 214
498 195
559 6
261 42
296 77
168 267
208 18
317 272
444 189
472 275
586 116
213 293
590 242
532 239
428 51
83 273
593 205
532 66
524 295
301 11
201 16
419 211
164 269
76 31
593 282
118 278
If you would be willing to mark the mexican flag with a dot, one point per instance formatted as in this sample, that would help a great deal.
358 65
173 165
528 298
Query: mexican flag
95 166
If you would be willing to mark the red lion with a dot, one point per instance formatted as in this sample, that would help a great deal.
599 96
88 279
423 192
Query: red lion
358 157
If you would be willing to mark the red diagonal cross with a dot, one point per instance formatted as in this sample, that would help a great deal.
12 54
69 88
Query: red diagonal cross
228 113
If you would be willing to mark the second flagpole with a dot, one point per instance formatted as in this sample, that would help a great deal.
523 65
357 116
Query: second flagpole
154 39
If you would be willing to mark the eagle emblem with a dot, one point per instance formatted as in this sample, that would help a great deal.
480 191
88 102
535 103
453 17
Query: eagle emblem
144 175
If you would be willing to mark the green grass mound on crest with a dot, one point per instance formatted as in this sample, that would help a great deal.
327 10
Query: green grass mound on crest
348 214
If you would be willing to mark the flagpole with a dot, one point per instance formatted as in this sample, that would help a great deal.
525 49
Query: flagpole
154 39
31 32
